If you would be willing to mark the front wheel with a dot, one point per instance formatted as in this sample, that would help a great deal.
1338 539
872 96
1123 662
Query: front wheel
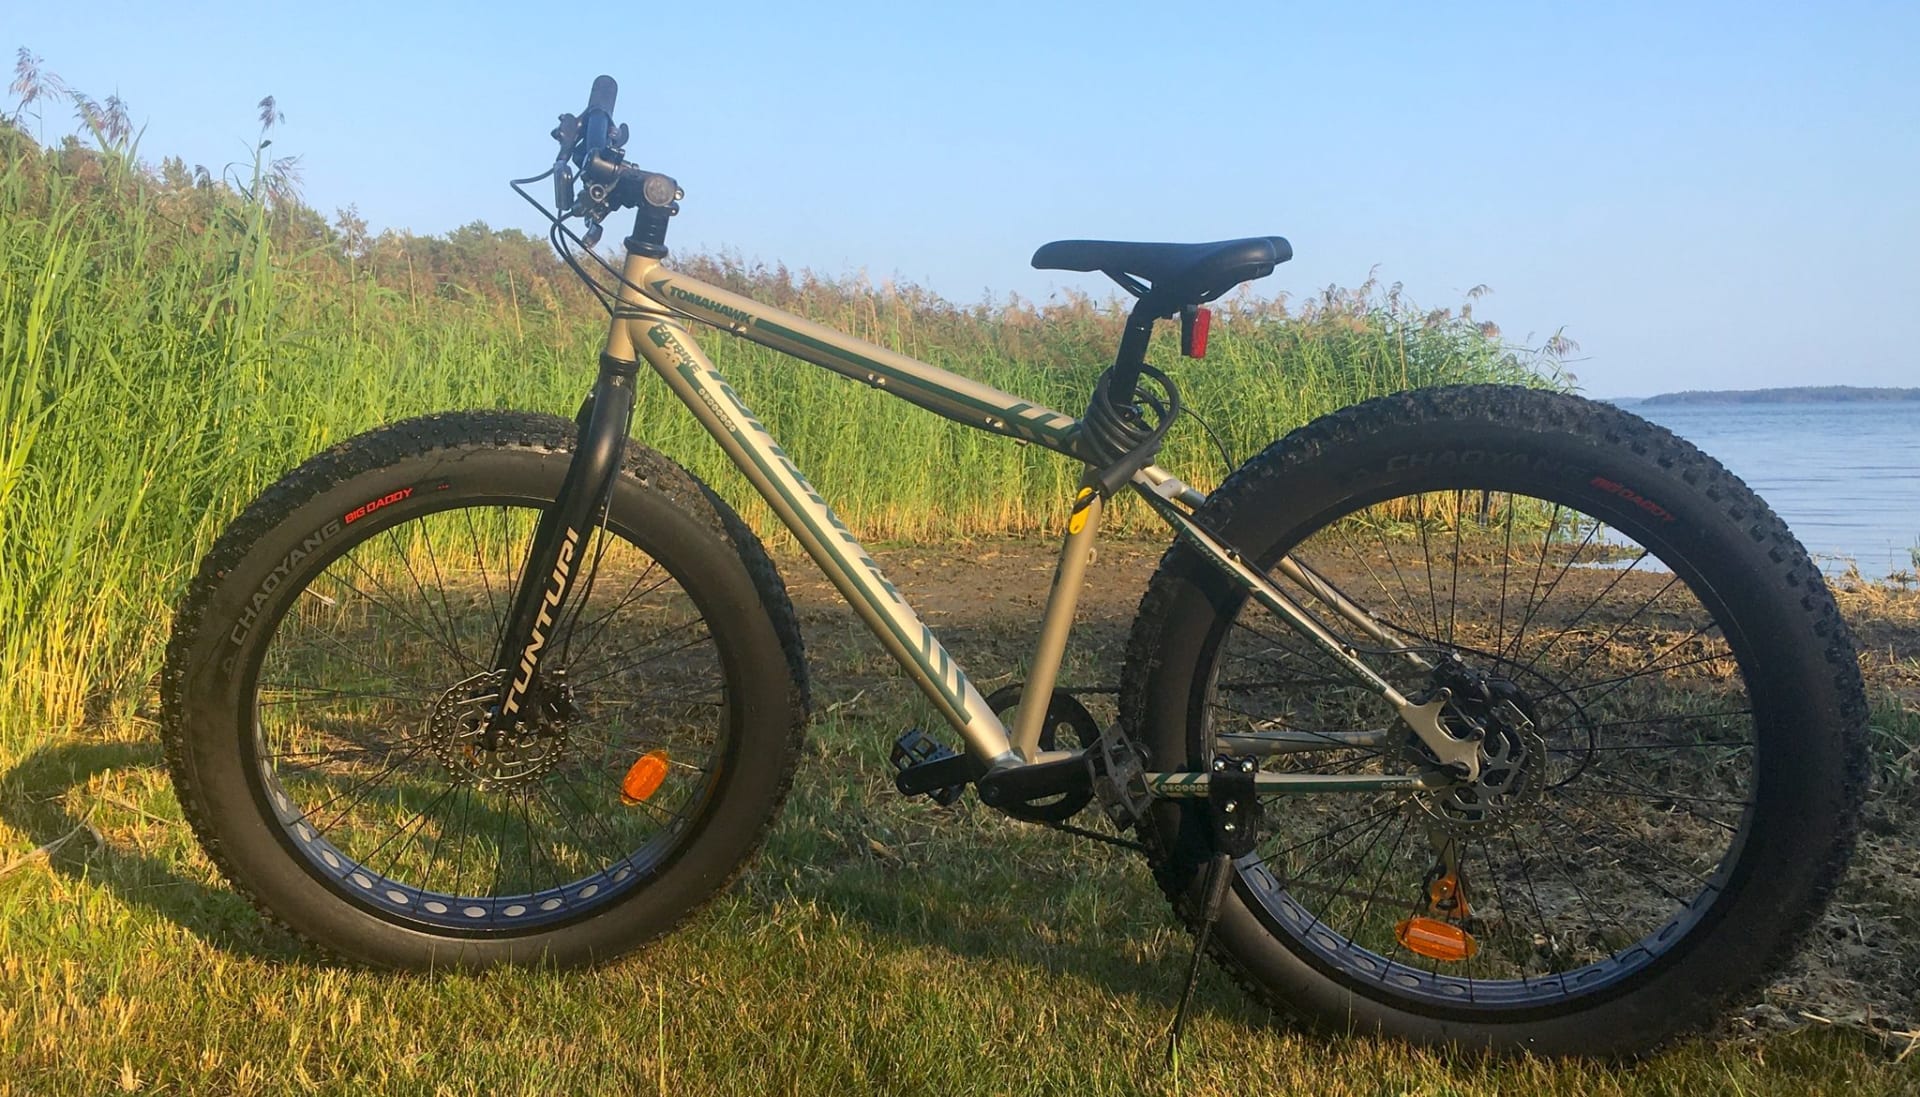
328 686
1671 716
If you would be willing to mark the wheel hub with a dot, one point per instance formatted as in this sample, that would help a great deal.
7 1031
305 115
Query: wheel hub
1512 751
457 730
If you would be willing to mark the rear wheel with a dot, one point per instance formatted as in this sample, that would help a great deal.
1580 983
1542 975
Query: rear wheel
1672 758
331 674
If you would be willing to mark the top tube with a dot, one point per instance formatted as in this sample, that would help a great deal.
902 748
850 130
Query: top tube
949 395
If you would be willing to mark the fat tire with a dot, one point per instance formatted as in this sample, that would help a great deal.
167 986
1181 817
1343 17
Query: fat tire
690 530
1811 775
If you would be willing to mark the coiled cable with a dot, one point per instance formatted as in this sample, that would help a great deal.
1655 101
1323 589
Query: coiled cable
1119 437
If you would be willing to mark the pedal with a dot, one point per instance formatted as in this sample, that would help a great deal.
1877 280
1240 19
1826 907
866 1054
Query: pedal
1119 780
927 767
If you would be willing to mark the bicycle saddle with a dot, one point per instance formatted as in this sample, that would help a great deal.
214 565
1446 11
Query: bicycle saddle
1181 274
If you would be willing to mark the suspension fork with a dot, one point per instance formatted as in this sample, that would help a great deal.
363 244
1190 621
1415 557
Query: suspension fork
559 541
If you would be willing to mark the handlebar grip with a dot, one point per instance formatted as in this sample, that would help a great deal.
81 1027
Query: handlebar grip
597 120
603 94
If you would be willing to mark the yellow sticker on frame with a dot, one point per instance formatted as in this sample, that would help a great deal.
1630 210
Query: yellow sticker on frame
1077 521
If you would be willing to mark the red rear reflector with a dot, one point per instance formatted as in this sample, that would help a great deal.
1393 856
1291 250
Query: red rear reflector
1435 939
1194 323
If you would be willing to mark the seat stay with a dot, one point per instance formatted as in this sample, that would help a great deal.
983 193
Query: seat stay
1423 718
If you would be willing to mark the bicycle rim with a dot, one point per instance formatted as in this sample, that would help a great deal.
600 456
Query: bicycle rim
1623 793
369 707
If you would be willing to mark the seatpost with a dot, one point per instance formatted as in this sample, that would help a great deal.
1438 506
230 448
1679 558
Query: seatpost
1132 353
560 540
1115 438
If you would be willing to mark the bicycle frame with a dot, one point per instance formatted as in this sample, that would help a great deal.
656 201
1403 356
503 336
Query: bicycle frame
647 324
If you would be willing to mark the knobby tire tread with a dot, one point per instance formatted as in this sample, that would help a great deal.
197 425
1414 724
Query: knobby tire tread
1271 469
384 446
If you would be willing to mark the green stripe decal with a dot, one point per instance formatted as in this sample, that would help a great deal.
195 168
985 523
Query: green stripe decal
1018 418
836 539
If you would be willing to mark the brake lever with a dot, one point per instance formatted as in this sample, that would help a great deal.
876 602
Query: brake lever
568 134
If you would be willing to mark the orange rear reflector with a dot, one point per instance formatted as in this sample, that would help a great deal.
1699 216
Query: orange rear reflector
1435 939
643 777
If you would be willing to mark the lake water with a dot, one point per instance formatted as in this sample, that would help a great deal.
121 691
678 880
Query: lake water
1845 476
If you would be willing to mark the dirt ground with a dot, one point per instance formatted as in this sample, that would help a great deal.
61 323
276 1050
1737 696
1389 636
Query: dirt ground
984 600
1859 967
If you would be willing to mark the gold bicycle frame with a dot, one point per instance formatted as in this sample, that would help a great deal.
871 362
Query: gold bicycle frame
648 324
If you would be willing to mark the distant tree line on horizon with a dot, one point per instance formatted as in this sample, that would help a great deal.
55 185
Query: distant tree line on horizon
1802 394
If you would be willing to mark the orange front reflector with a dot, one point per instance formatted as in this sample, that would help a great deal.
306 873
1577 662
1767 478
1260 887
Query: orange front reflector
1435 939
644 777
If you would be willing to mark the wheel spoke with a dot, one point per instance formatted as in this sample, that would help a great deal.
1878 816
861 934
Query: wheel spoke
1635 758
468 833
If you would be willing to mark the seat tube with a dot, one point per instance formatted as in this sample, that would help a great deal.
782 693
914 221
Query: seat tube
1083 525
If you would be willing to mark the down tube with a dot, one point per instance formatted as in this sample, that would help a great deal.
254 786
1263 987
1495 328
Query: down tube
674 355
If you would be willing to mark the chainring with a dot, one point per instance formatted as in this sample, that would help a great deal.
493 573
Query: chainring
1064 713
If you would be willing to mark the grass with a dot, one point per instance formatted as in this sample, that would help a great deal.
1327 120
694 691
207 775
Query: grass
876 947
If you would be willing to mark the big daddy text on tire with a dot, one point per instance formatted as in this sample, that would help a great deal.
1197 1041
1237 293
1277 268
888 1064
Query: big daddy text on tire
331 667
1674 753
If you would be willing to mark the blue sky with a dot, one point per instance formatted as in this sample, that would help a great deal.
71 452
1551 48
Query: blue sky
1701 195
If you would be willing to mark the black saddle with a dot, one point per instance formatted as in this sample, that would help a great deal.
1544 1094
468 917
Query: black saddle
1180 274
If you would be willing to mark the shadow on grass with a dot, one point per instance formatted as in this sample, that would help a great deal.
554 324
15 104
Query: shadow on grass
975 906
34 800
1005 920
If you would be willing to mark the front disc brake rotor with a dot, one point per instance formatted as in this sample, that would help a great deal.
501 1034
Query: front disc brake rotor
457 730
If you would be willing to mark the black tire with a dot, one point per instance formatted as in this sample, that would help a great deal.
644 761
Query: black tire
315 712
1614 903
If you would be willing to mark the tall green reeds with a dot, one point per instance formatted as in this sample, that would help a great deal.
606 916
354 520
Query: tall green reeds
168 348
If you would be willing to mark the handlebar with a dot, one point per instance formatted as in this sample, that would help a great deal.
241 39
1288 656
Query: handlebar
592 151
